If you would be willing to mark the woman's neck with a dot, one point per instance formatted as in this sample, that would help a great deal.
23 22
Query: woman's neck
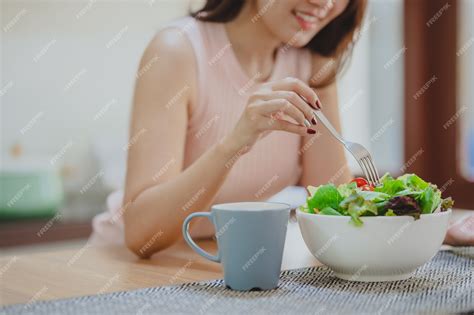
254 45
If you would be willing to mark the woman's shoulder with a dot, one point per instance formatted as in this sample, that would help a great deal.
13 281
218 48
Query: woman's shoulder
168 61
178 43
172 52
170 43
184 32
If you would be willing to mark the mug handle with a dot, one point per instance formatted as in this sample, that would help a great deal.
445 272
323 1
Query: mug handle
191 242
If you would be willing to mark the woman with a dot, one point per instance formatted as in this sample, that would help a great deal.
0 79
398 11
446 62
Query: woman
223 111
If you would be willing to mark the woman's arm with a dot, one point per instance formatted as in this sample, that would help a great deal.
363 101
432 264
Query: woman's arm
461 233
159 194
323 157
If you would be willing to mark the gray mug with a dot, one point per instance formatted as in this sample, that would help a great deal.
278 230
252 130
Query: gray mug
250 240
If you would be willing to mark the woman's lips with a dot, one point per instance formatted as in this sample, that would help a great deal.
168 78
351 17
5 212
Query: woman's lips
306 21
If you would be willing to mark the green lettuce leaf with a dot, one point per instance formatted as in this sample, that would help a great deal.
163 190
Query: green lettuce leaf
430 199
355 205
390 186
405 195
346 189
374 196
409 192
304 208
382 207
413 181
355 219
325 196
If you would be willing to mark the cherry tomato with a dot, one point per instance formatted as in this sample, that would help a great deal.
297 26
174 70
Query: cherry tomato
360 181
367 188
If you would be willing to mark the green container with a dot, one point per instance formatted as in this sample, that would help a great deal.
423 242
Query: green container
29 193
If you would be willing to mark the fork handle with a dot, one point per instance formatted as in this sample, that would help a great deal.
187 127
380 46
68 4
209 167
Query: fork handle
329 126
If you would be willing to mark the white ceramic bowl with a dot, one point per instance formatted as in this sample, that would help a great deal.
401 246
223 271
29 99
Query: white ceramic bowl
383 249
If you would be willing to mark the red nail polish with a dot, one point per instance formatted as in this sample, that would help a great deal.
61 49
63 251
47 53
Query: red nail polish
312 106
318 102
314 121
311 131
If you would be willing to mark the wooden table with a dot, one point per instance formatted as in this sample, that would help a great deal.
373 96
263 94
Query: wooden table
88 271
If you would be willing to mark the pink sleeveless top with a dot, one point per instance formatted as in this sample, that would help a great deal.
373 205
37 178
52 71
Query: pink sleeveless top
223 90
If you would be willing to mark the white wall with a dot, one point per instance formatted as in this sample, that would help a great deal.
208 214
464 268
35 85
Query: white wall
64 62
387 51
372 89
354 95
68 61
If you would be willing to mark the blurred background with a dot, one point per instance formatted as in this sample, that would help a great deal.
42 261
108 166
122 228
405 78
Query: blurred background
67 77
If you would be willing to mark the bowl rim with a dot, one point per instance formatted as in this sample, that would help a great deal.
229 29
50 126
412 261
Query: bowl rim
381 217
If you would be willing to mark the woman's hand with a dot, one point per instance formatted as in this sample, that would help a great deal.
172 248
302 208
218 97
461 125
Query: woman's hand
266 110
461 233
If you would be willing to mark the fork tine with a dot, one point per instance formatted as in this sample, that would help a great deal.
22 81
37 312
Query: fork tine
376 171
356 149
362 166
371 164
372 170
370 176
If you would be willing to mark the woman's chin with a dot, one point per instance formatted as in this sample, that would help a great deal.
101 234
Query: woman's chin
297 39
296 44
301 45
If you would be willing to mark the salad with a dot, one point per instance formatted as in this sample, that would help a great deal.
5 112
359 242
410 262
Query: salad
406 195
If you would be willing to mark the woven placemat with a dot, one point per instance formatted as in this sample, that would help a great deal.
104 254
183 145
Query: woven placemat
444 285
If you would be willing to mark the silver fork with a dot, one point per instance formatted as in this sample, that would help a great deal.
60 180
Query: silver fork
360 153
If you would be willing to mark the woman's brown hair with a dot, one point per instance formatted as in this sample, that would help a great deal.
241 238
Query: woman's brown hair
335 40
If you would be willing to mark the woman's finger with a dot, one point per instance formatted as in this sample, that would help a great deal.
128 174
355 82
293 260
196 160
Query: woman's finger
299 87
294 99
280 105
283 125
